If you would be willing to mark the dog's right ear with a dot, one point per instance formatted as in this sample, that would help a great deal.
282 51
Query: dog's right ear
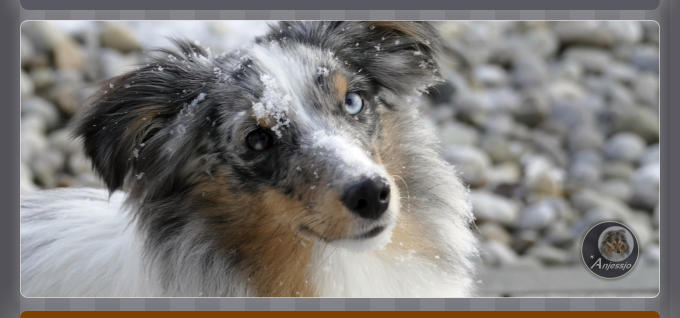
122 131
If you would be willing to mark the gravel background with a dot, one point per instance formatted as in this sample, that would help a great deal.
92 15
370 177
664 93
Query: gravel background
554 125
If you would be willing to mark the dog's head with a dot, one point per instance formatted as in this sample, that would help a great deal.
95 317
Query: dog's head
285 133
615 243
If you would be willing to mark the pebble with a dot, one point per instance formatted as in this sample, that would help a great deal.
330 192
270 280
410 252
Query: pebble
63 140
538 215
597 32
119 37
645 184
489 75
495 232
471 163
494 208
498 148
548 254
585 137
591 59
651 155
624 147
495 253
617 188
26 86
45 167
454 133
541 177
504 173
652 254
646 88
617 170
641 121
39 107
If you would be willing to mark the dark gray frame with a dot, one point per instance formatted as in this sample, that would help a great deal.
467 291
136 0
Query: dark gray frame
11 15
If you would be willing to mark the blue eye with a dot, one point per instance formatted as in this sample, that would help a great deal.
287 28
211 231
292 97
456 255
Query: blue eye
353 103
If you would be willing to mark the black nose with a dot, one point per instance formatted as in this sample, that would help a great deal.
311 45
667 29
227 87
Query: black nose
368 198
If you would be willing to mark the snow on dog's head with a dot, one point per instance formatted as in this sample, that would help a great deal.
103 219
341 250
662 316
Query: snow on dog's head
285 135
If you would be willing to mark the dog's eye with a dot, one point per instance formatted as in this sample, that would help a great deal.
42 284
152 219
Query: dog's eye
259 140
353 103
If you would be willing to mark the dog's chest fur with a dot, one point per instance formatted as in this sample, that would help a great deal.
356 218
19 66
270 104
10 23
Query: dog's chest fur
107 258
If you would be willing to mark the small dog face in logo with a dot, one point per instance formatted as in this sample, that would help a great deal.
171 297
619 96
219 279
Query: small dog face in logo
614 245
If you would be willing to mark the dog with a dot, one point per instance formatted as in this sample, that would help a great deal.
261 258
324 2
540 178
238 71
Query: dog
297 166
614 245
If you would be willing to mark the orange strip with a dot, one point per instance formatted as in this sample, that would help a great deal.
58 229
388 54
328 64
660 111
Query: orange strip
341 314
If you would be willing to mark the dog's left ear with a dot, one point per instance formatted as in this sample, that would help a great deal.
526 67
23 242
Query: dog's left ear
399 56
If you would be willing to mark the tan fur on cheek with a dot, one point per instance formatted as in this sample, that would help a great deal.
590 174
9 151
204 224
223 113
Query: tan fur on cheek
330 220
340 85
408 232
260 228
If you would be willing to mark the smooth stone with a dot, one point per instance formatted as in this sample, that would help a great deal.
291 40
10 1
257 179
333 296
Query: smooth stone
497 148
585 137
33 142
641 121
617 188
548 254
646 88
538 215
495 253
26 179
504 173
119 37
80 164
45 167
525 239
534 109
617 170
112 63
494 232
529 71
455 133
64 141
541 177
644 57
37 106
42 77
597 32
26 87
583 174
493 208
559 234
489 75
624 146
592 59
68 55
652 254
470 162
645 184
651 155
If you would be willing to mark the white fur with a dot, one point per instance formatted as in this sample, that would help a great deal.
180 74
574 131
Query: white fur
78 242
341 272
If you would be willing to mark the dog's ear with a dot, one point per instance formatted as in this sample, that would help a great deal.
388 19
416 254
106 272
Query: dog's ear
133 116
398 55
